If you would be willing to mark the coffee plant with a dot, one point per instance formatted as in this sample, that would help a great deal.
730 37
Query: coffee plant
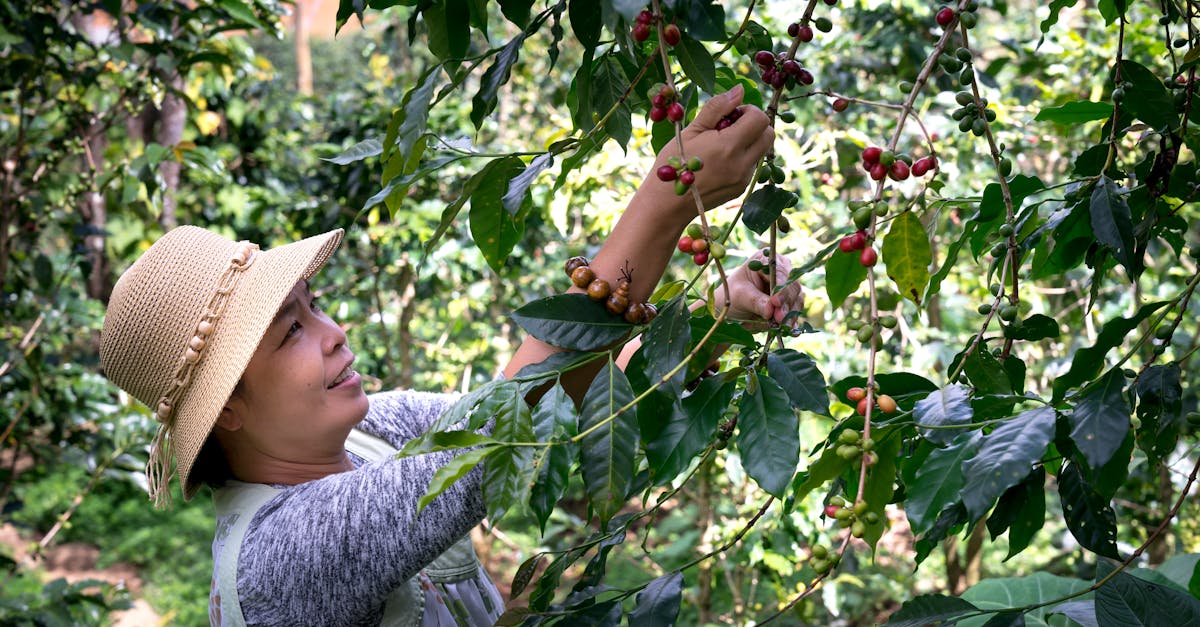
1025 410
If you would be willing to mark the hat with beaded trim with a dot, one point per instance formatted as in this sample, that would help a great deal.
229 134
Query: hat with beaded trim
182 324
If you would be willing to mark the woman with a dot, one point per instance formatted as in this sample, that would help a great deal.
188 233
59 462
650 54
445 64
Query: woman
256 392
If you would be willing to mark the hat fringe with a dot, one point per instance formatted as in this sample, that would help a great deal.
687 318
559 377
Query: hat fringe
159 469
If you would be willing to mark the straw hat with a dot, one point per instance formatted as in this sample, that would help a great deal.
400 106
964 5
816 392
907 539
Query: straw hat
183 322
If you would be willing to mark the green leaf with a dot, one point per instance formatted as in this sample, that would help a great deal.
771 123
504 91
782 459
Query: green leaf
494 230
1076 112
947 407
571 321
986 372
798 375
1160 410
238 10
881 480
1088 362
1055 7
497 74
586 21
610 446
949 520
411 118
449 28
468 405
1130 601
658 604
1111 10
727 333
607 91
843 274
518 186
554 418
935 281
543 592
1034 328
703 19
1088 515
696 62
1148 99
938 481
908 255
1101 419
362 150
765 205
1021 511
1003 593
679 436
768 434
929 609
1004 619
516 11
443 441
1113 225
665 344
825 469
509 470
1005 457
1181 569
454 470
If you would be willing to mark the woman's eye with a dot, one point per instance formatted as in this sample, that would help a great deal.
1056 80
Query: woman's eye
292 330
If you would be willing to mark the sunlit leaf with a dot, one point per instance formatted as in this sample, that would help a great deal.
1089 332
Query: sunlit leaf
571 321
941 411
908 255
768 435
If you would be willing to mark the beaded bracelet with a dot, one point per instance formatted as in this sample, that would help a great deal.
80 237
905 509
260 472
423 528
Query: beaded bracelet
616 301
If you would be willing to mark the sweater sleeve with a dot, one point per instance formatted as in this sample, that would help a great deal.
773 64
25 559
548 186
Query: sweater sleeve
330 551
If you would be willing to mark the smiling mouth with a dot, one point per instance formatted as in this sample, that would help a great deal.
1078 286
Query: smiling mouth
346 373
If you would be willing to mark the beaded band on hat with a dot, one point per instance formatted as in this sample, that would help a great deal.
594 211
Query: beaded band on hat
159 470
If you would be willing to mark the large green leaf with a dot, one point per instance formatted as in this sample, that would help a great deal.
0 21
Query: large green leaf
1021 511
658 604
941 411
450 213
454 470
449 27
554 418
881 481
518 187
679 435
908 255
1005 457
608 86
665 343
571 321
843 274
765 205
986 372
1160 409
1148 98
703 19
608 452
586 21
1088 515
930 609
1076 112
768 434
798 375
509 470
938 481
1088 362
494 230
1130 601
935 281
1033 328
1012 592
696 62
1100 420
493 78
1113 225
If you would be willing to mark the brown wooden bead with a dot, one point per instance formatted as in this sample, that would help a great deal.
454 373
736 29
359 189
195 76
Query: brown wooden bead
635 313
598 289
574 263
582 277
651 313
617 304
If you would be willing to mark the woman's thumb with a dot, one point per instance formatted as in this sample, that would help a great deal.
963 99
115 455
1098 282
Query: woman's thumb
718 107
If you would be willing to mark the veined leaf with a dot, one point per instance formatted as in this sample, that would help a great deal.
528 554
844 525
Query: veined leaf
938 481
696 62
1088 362
929 609
1004 593
798 375
364 149
509 471
610 446
1076 112
1005 457
765 205
554 417
1088 515
768 435
843 274
494 230
1021 511
947 407
658 604
686 431
665 343
1113 225
1101 419
494 78
571 321
1130 601
454 470
908 255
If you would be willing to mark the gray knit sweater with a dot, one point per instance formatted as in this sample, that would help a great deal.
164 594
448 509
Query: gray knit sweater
328 552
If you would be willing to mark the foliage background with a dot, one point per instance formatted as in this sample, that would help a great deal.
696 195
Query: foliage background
73 127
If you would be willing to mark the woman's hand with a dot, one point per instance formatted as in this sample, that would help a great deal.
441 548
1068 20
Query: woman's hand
750 300
730 155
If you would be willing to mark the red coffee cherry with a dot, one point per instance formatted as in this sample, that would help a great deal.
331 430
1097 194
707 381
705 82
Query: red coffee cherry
645 17
671 35
658 114
868 257
840 104
764 59
666 173
700 258
872 153
687 177
675 112
945 16
640 32
806 33
899 171
685 245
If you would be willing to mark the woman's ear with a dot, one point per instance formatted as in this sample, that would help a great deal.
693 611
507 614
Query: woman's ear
229 419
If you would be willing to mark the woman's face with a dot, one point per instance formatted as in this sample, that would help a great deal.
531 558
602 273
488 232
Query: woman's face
299 397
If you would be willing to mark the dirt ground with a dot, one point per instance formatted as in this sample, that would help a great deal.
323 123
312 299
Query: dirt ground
76 561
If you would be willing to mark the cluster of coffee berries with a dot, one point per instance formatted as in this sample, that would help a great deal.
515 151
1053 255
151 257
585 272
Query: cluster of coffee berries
822 560
664 104
616 301
881 163
945 16
858 395
1007 311
779 71
644 24
701 249
728 119
866 333
684 174
855 517
771 172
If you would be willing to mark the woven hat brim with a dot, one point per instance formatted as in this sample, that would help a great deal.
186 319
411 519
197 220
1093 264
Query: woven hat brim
252 307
